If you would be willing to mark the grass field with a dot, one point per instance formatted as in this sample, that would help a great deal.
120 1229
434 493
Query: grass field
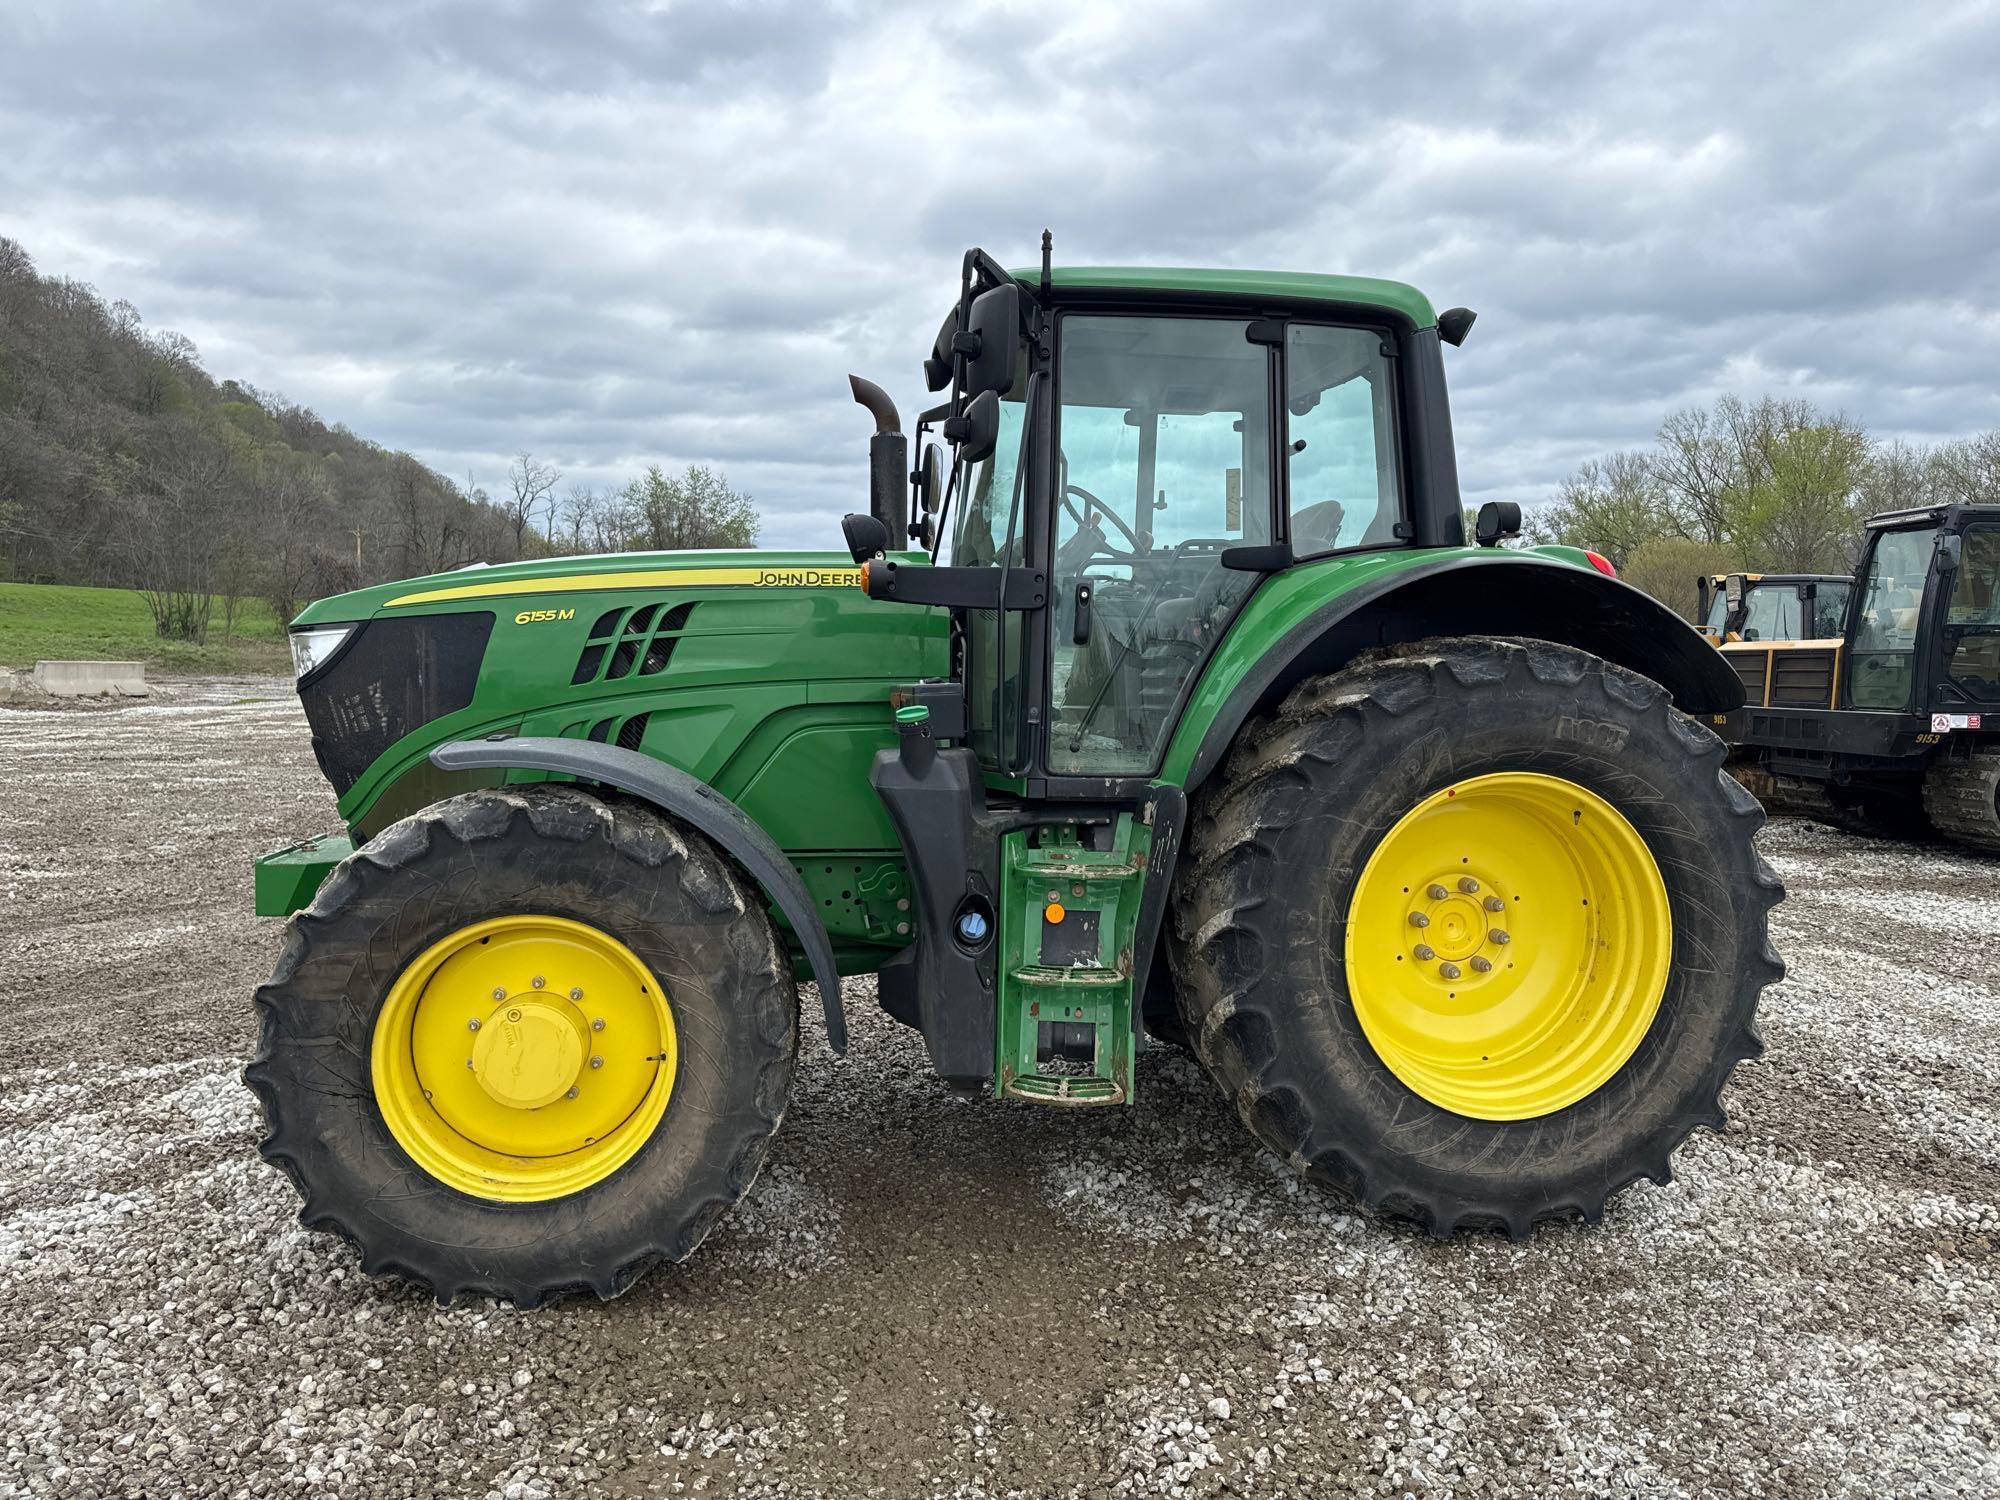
44 622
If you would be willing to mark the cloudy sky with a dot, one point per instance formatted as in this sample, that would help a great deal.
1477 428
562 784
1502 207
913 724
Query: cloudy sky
621 234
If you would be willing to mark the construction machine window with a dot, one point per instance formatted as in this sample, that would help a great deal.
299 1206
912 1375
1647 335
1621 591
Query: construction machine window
1972 620
1340 424
1829 610
1773 613
1163 463
1879 668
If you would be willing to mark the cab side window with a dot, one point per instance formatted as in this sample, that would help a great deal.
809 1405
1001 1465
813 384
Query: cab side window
1341 427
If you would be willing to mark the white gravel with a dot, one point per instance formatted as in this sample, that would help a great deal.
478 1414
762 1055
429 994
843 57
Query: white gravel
936 1296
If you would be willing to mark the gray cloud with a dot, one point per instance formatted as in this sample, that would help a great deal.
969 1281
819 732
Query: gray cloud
618 234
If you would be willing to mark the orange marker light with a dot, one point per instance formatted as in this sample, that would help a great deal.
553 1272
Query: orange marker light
864 578
1053 912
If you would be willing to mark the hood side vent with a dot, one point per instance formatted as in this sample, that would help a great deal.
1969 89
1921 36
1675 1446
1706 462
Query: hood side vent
638 642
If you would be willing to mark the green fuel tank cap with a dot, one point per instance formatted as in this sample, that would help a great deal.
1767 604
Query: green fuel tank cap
913 713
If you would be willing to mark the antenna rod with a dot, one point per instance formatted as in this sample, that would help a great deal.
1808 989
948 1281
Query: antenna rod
1048 280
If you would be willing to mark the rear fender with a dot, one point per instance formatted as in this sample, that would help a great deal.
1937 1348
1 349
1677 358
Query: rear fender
1491 593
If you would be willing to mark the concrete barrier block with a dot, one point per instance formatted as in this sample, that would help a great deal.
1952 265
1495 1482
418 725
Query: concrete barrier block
91 679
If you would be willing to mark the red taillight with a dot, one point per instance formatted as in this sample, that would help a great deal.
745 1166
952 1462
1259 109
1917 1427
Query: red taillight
1602 563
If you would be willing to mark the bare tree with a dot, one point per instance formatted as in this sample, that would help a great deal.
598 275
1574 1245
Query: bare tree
181 504
529 483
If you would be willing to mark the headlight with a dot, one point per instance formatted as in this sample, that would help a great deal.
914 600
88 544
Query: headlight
311 648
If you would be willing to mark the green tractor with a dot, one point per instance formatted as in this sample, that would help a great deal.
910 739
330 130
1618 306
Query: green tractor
1191 716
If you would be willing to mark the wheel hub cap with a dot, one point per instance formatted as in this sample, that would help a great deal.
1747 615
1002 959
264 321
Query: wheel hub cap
530 1052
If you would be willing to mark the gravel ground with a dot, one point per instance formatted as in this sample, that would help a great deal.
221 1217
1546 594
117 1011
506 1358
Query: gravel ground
929 1296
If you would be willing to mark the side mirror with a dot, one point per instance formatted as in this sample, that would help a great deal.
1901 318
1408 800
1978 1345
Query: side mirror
977 430
992 340
1498 520
1949 550
866 536
937 369
1732 591
929 479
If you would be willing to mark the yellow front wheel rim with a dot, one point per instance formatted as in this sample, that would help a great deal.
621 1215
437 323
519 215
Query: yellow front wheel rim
1508 944
524 1058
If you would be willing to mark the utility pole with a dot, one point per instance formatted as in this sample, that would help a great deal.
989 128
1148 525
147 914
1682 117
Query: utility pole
357 549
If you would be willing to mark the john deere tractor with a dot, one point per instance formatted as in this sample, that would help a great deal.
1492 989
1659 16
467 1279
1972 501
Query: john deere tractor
1161 697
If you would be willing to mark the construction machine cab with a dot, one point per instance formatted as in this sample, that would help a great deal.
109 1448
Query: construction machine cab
1924 632
1772 606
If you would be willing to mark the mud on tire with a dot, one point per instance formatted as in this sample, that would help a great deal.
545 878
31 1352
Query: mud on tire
1278 839
695 920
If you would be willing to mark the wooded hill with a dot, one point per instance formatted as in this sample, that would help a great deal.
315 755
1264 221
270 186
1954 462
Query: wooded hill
123 462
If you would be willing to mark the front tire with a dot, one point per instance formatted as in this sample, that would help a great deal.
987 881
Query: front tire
525 1042
1489 1098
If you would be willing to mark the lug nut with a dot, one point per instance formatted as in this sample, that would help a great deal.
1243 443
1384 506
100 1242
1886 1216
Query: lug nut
597 1062
1437 893
1425 953
538 982
576 994
1500 935
468 1063
1418 919
1494 903
499 992
598 1024
1448 971
1467 884
473 1024
570 1095
1481 965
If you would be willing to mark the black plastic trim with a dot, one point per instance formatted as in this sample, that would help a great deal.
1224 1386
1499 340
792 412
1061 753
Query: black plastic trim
958 588
1168 806
672 789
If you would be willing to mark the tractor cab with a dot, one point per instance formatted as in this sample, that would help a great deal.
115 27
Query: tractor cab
1132 454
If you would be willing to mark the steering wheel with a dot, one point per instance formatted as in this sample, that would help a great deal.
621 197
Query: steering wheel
1102 509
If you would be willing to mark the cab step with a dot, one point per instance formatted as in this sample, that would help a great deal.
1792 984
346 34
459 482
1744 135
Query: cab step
1069 916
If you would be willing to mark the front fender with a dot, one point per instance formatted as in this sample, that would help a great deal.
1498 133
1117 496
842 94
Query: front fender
1313 620
694 802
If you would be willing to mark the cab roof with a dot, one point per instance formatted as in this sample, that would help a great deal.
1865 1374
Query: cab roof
1299 286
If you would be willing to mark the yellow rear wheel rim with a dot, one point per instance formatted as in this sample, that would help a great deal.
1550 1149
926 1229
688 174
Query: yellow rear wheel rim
1508 944
524 1058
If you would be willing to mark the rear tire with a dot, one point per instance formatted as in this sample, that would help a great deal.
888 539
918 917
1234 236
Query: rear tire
1278 846
660 892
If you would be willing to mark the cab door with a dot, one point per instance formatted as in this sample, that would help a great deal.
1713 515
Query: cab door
1888 620
1971 620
